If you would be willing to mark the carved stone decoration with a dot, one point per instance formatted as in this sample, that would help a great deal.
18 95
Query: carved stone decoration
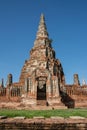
41 83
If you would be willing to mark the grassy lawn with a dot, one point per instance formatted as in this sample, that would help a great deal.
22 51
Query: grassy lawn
46 113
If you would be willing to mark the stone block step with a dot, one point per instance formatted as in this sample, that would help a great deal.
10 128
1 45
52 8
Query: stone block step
41 102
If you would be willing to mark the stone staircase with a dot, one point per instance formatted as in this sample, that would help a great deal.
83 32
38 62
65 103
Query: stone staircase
41 102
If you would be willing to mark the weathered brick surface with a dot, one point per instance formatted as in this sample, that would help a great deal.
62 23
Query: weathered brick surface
43 124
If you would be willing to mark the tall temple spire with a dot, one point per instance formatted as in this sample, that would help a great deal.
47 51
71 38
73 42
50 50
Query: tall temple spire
42 30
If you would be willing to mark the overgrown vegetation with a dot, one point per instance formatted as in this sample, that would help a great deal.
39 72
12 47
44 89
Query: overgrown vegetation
46 113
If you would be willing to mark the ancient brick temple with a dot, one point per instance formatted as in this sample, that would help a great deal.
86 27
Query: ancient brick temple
42 80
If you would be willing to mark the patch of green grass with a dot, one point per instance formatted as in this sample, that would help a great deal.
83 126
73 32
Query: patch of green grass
46 113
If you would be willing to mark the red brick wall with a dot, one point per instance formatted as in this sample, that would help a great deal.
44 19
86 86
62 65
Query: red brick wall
43 124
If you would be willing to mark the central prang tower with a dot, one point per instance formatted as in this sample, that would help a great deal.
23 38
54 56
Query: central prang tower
42 75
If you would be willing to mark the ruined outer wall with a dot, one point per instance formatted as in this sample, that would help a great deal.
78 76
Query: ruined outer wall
75 96
43 124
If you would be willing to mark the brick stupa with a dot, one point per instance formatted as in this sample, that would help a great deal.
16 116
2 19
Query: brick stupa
42 74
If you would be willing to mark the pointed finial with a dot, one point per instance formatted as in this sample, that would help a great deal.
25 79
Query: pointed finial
42 30
42 18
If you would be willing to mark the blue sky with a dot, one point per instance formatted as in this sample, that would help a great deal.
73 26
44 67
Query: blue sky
66 22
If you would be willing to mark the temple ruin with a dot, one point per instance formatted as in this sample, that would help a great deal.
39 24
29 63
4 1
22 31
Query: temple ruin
42 80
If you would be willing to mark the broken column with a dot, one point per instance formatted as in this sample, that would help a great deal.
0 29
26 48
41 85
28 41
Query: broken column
76 79
9 79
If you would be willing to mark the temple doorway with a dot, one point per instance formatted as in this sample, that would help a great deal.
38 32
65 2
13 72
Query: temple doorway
41 91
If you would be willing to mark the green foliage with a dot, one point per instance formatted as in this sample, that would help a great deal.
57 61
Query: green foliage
46 113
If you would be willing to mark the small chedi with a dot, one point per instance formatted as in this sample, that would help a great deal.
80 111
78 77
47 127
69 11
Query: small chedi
42 80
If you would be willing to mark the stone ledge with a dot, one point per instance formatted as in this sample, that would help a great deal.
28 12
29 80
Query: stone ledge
76 117
19 118
42 117
57 117
38 117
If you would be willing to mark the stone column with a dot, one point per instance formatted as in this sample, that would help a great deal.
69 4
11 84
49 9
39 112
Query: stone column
33 85
8 93
76 79
26 85
9 79
55 87
49 87
36 83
